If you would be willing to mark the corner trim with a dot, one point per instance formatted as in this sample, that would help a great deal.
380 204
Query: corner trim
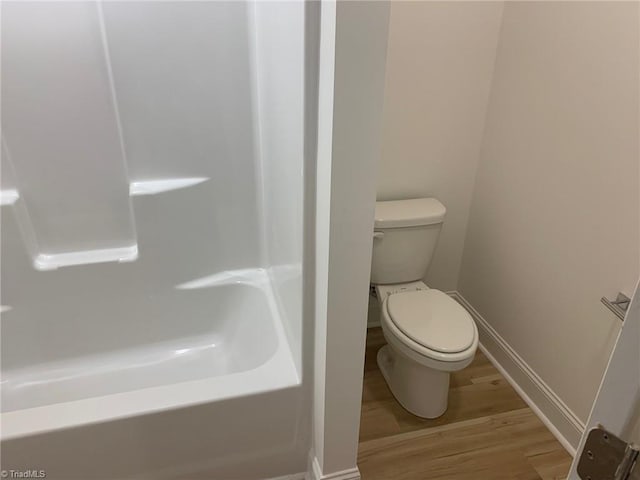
316 473
563 423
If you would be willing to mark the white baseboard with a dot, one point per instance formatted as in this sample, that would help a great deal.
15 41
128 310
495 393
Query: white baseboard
545 403
315 473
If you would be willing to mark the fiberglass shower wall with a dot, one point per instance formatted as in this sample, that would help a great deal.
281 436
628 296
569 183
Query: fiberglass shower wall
147 146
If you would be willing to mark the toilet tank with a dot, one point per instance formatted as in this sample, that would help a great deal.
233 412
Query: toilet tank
405 237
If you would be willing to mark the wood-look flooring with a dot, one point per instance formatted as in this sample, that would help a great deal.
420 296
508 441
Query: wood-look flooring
487 433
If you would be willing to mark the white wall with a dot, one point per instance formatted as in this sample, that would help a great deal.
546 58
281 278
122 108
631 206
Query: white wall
439 67
554 222
350 120
279 51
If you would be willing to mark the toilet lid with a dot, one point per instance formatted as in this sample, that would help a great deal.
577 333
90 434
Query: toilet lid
432 319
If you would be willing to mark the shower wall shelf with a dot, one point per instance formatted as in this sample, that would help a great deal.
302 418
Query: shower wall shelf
8 197
153 187
85 257
127 253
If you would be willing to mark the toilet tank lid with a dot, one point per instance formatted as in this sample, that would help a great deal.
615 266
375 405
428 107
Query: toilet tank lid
409 213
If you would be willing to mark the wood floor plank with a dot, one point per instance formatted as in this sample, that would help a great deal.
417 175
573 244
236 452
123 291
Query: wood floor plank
488 378
552 465
488 431
480 446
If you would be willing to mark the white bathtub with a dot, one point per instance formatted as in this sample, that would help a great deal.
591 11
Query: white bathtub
200 403
240 335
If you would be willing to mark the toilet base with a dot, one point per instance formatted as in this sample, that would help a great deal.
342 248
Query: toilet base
420 390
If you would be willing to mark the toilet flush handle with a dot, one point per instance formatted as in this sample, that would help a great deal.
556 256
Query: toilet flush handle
378 234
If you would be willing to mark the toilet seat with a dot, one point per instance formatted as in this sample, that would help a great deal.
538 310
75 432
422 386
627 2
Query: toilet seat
417 351
432 319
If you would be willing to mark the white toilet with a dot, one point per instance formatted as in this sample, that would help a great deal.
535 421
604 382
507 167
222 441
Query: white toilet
428 333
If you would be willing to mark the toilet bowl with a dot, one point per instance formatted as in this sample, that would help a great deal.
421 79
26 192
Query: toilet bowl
429 335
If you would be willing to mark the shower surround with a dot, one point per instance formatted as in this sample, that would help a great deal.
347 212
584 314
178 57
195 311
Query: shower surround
152 209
